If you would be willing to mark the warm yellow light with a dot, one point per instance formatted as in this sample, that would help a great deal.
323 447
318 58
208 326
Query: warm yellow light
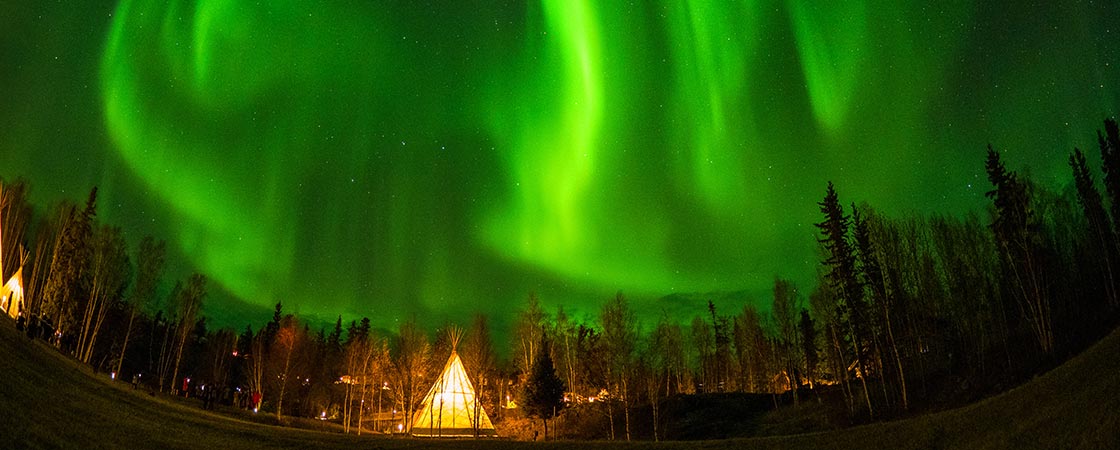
451 404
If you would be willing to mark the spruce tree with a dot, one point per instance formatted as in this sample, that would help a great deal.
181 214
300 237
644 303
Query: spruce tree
272 327
841 258
871 272
71 258
334 340
1110 164
1017 235
543 395
842 277
1100 228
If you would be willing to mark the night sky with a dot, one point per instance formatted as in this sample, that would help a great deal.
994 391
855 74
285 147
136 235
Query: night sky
385 159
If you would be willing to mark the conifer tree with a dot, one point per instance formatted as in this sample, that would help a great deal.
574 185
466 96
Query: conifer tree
843 278
543 395
272 327
872 274
1017 236
1099 226
1110 163
70 259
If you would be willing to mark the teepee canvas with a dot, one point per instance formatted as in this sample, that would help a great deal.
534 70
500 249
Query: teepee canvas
451 407
11 294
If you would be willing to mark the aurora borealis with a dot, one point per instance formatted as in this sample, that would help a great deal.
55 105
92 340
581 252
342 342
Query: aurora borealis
383 159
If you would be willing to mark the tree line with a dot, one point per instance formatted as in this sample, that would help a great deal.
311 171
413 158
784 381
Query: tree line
906 311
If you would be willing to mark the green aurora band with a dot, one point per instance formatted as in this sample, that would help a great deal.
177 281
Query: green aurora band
385 159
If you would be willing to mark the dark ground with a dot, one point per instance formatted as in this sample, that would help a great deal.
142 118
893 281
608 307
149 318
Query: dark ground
50 401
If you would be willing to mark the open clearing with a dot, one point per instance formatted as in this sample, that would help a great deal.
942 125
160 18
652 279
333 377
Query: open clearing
49 401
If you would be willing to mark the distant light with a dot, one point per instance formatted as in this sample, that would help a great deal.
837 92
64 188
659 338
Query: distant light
113 375
400 427
235 353
255 410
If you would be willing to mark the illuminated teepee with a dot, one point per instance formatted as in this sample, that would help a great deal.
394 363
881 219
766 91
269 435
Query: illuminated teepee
451 408
11 294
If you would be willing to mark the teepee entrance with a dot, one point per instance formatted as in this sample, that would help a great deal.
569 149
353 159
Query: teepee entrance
451 408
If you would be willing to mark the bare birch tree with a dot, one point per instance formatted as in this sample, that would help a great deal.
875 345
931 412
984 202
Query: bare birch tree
150 258
187 305
110 270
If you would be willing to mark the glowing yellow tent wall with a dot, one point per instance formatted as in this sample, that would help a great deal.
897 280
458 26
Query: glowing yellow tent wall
11 295
449 408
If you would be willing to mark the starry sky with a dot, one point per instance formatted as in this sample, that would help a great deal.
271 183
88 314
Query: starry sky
388 159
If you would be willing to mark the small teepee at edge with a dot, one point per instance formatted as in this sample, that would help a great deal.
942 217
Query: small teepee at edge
451 408
11 295
11 292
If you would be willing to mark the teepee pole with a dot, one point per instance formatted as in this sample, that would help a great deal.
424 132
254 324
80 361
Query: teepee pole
442 388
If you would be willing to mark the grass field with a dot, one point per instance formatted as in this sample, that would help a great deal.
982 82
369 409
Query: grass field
49 401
